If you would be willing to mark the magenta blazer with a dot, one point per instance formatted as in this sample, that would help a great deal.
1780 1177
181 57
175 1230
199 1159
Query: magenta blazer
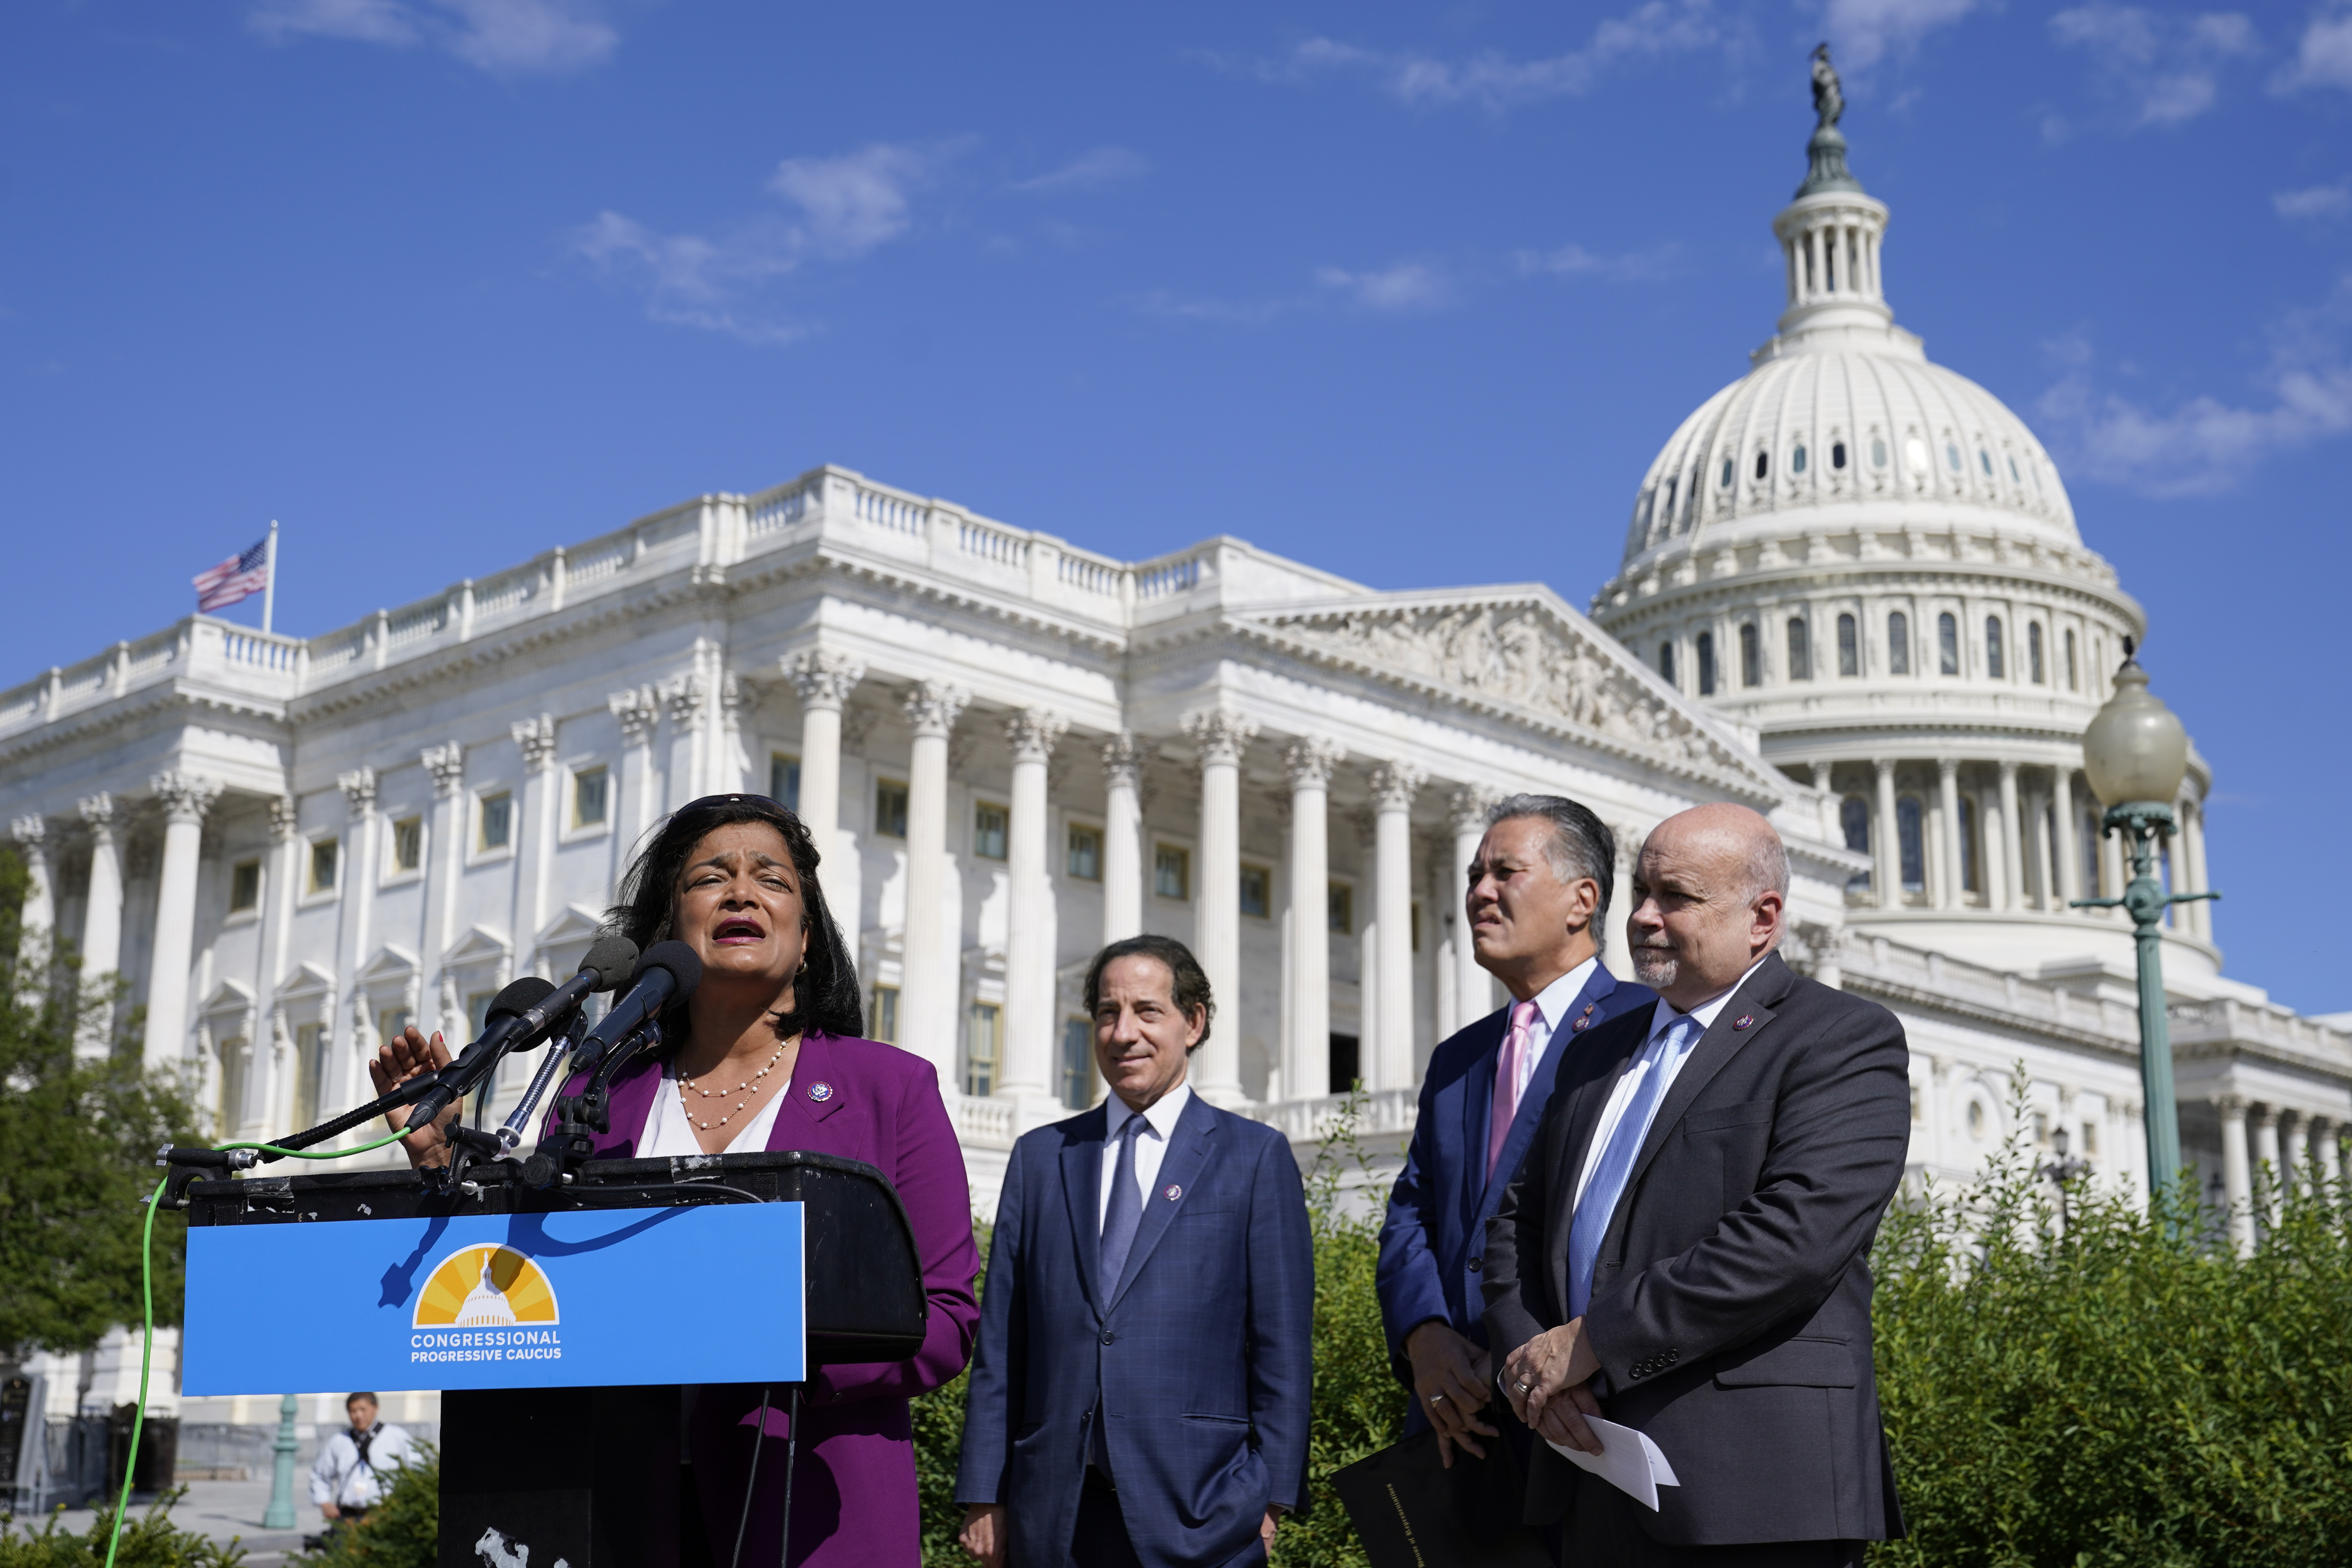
854 1501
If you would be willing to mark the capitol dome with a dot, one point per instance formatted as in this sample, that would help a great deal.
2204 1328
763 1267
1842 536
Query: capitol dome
1871 563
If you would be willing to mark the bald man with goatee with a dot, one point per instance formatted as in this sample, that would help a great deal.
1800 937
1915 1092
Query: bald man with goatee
1685 1249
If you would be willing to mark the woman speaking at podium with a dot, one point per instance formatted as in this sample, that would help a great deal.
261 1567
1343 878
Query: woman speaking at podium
765 1054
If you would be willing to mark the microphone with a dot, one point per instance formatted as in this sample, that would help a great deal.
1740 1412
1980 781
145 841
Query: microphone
519 1019
669 972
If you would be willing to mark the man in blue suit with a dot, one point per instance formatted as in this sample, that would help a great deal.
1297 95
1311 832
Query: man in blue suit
1539 890
1139 1392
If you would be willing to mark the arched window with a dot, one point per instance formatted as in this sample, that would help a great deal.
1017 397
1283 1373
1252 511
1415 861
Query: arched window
1898 643
1801 649
1666 661
1797 459
1911 843
1727 473
1763 464
2073 676
2033 651
1707 663
2087 837
1914 455
1994 667
1751 655
1984 461
1952 456
1877 453
1947 643
1969 882
1837 454
1671 485
1849 647
2013 478
1853 815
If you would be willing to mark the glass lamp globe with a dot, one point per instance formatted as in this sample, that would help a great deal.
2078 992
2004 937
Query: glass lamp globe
2135 749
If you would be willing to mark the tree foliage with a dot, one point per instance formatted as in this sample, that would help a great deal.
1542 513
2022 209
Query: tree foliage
402 1530
2119 1389
77 1140
149 1540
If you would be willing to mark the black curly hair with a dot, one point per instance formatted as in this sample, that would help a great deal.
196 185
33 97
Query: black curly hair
825 995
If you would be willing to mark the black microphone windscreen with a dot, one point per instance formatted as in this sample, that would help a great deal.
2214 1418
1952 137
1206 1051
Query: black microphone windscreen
614 957
519 997
683 962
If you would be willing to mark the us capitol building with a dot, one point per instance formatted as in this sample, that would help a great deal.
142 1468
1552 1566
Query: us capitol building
1852 596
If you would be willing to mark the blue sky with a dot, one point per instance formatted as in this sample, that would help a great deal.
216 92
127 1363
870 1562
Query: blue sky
1414 293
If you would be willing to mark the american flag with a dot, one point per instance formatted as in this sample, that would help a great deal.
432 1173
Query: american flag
240 577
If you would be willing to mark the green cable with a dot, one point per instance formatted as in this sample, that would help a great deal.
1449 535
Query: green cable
147 1290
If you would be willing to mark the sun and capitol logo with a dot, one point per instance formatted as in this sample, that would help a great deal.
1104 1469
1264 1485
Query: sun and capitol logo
487 1287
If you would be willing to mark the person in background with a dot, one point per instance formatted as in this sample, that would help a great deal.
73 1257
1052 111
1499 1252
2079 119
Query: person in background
354 1465
1538 895
1141 1390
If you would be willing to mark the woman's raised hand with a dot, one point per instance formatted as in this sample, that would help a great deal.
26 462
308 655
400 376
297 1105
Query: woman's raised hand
401 1058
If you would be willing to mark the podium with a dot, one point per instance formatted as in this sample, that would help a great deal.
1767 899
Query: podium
562 1360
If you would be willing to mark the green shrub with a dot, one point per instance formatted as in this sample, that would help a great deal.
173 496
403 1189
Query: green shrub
2119 1390
403 1531
149 1540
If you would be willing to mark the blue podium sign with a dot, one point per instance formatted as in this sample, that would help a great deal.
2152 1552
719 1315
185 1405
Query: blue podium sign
577 1299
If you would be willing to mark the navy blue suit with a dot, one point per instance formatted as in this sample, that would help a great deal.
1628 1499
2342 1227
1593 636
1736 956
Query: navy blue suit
1434 1241
1201 1356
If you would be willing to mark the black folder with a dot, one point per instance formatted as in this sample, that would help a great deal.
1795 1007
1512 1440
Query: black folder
1410 1511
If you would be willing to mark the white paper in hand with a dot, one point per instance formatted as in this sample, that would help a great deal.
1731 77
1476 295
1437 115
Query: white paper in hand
1628 1460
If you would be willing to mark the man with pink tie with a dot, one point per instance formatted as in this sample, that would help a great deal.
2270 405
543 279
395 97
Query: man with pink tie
1538 893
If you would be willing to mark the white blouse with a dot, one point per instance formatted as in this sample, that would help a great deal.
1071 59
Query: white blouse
669 1132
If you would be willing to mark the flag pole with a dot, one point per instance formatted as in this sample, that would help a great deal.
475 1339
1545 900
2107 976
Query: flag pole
269 584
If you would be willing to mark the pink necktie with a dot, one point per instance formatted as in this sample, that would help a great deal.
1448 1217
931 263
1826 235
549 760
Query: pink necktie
1507 1081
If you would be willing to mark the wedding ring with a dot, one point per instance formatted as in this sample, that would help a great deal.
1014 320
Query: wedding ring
1437 1399
1523 1386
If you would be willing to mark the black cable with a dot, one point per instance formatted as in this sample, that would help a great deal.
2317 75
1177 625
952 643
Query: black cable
792 1455
593 1194
759 1434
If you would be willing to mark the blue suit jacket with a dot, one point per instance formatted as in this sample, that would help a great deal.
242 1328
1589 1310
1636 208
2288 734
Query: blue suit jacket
1434 1241
1200 1357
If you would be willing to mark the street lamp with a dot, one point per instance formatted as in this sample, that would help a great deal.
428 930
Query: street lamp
2062 1170
2135 753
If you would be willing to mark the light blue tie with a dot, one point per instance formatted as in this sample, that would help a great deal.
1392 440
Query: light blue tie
1609 1177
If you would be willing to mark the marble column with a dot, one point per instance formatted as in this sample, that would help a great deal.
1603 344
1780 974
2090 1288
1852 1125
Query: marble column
1123 757
933 964
185 797
731 755
535 833
1887 868
2237 1177
1394 787
2294 1146
355 913
102 920
280 890
823 681
2067 851
684 699
1474 988
2012 841
1220 736
2269 1168
1951 886
38 916
1030 937
637 712
1307 1042
445 867
2192 845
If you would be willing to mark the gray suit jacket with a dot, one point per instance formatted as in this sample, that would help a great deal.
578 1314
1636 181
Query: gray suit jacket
1731 1302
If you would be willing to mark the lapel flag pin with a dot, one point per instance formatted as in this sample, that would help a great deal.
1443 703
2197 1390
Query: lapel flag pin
1172 1192
1583 1019
820 1092
1745 1019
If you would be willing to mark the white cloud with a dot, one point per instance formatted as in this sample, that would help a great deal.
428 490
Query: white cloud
2166 67
1406 286
1864 31
387 22
2205 445
2317 201
503 38
1495 81
1575 262
2324 58
848 204
1091 171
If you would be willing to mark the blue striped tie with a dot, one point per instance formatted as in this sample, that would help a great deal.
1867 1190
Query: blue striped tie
1609 1177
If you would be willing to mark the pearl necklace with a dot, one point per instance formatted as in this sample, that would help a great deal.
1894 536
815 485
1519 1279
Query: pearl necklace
744 1089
